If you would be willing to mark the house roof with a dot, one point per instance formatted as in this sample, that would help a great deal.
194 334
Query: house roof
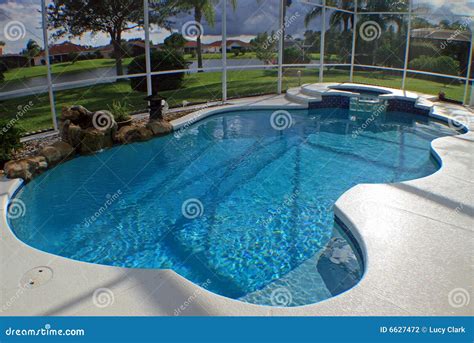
440 34
230 42
64 49
193 44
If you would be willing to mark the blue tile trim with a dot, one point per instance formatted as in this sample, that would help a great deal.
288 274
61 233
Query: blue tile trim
394 105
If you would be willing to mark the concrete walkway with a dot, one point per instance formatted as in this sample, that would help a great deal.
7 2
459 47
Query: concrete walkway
417 237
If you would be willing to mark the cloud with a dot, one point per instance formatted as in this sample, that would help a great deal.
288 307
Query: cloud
27 13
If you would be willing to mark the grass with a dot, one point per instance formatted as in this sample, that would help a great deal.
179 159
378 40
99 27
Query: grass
18 74
67 67
202 87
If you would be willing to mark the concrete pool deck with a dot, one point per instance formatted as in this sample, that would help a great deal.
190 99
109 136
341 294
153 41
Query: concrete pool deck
417 238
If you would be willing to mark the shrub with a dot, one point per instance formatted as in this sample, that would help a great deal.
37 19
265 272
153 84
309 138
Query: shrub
294 56
160 61
423 49
120 110
442 65
9 140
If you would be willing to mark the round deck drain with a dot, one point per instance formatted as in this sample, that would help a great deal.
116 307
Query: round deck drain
36 277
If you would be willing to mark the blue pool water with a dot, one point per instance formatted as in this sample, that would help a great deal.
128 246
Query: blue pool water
230 203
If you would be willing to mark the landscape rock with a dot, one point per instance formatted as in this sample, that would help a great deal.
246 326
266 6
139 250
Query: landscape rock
159 127
57 153
94 140
86 131
26 168
74 136
78 115
130 134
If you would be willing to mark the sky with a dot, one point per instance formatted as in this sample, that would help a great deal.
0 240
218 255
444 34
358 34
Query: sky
249 18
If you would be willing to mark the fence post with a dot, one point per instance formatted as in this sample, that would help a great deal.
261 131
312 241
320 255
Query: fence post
52 102
407 47
354 35
281 42
321 50
146 24
224 50
468 75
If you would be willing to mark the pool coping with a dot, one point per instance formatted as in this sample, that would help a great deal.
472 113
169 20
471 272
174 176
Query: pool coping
412 274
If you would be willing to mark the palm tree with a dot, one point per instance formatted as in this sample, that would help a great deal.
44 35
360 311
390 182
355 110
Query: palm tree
32 49
338 17
202 8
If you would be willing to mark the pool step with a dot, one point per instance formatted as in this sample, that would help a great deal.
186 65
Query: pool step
297 95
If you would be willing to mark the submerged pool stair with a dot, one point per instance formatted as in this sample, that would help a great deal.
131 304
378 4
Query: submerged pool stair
361 98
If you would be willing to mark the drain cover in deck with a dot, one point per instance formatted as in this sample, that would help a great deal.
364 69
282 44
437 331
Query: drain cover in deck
36 277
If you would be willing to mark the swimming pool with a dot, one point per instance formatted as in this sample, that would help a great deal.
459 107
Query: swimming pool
240 203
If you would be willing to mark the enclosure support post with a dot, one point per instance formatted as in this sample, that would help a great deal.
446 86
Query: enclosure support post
468 75
354 37
146 23
321 49
224 50
48 64
407 47
280 46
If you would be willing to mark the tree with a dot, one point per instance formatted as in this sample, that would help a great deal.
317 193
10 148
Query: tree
72 57
175 41
200 8
32 49
264 46
112 17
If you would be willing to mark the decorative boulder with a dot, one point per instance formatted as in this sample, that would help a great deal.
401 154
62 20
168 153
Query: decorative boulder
26 168
78 115
94 140
74 136
159 127
57 153
87 132
130 134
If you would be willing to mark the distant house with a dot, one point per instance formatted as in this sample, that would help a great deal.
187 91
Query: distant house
216 47
14 61
132 48
61 53
441 34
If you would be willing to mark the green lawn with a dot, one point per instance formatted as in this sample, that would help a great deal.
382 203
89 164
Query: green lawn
67 67
202 87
